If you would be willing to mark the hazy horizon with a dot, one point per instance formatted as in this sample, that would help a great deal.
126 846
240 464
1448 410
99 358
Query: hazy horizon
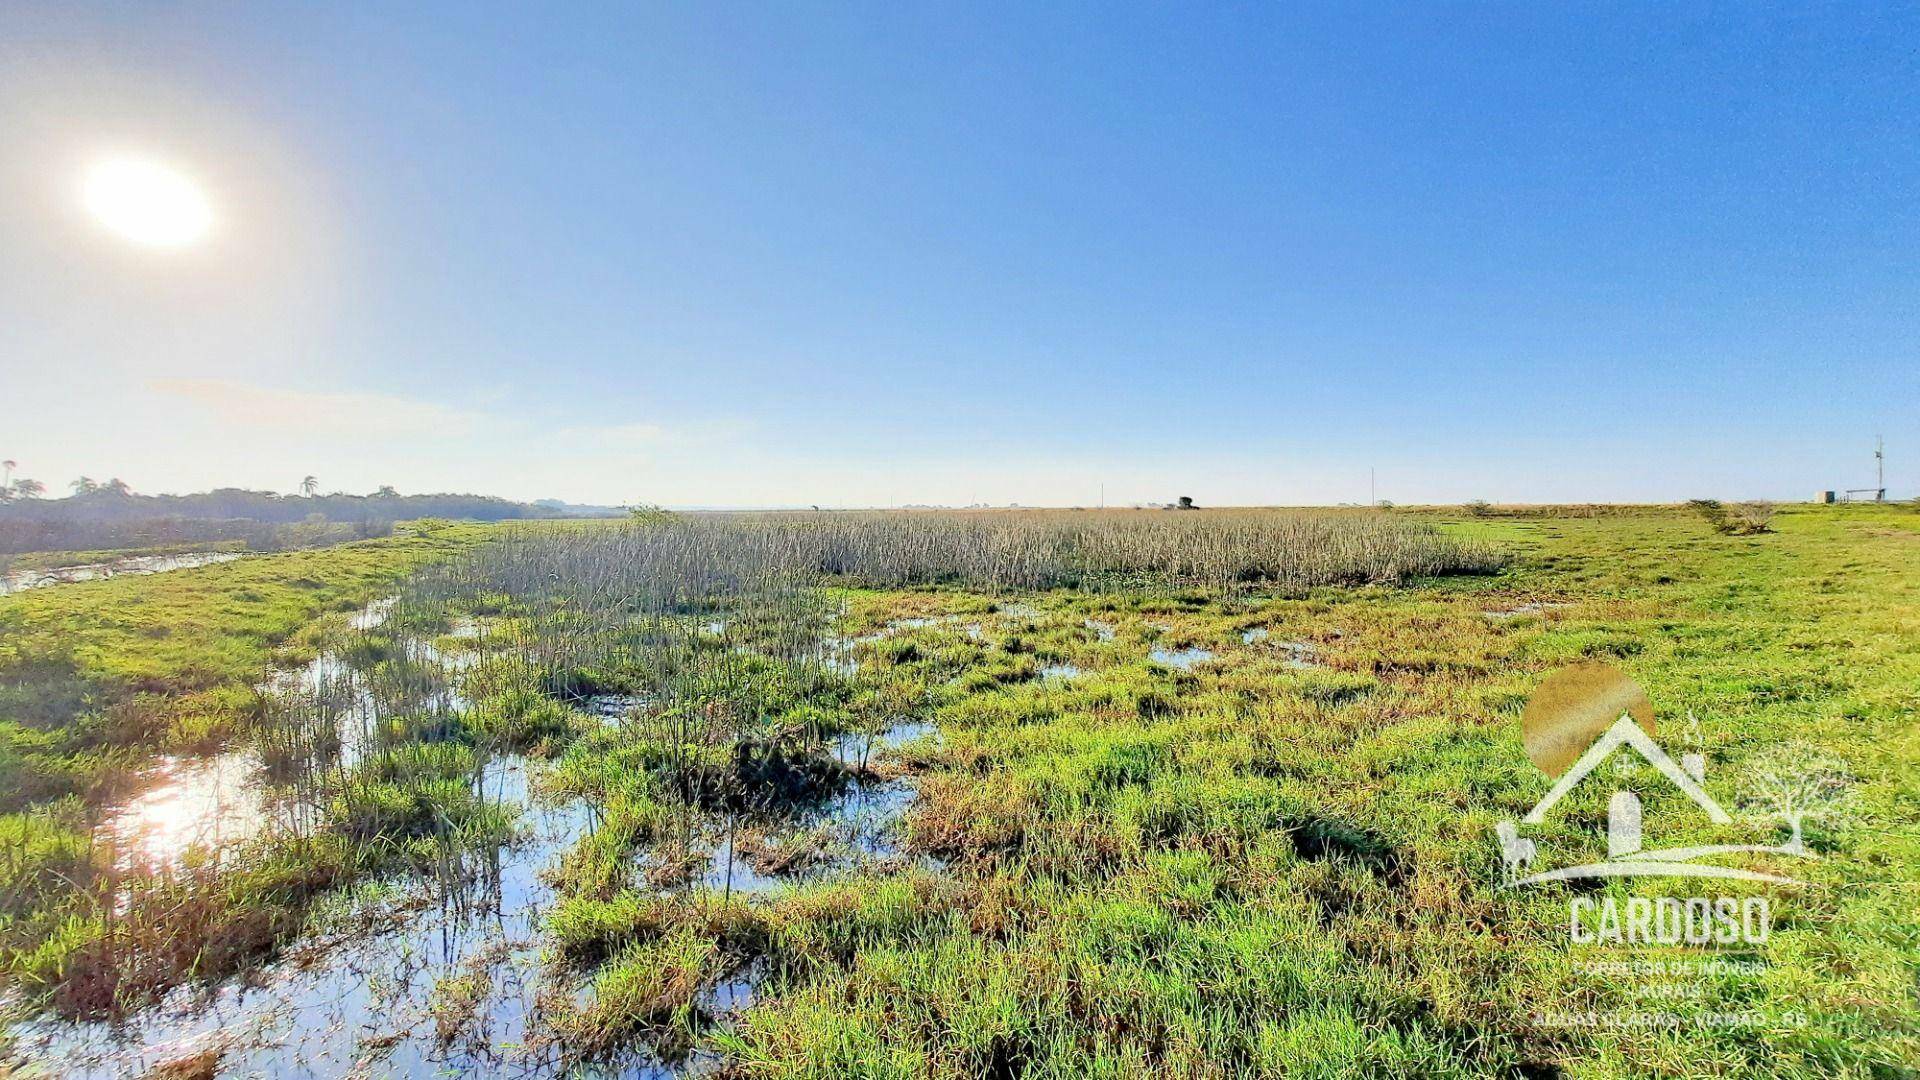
713 257
1861 495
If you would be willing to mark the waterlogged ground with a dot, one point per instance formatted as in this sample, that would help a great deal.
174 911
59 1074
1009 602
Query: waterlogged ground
362 992
1119 833
134 565
187 806
410 977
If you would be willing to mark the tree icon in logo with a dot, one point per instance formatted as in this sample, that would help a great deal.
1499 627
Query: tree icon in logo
1796 783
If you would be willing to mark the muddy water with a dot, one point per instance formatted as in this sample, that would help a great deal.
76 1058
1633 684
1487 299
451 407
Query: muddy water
858 826
22 580
854 749
1301 655
1533 607
871 811
360 1000
837 653
869 816
374 615
1298 654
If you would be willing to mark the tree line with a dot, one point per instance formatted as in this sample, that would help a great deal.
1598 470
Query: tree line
113 501
101 515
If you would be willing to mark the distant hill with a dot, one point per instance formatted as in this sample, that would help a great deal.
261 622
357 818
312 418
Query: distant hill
556 508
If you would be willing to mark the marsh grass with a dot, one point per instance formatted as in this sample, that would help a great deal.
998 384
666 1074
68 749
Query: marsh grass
374 769
1284 551
1259 867
459 998
1253 867
719 632
96 678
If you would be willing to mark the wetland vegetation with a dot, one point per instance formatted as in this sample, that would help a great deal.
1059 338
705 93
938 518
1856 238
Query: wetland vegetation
922 794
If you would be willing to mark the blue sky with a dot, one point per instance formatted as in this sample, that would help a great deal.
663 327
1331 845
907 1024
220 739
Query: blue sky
785 254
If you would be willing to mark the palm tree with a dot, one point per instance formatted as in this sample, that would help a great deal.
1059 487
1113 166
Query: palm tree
84 486
309 485
29 489
386 492
116 487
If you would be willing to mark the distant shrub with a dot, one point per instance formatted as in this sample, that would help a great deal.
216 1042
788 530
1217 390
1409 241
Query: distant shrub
1479 508
1712 511
1739 519
1750 517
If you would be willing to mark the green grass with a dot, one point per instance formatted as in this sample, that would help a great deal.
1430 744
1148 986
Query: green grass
96 678
1259 868
1278 863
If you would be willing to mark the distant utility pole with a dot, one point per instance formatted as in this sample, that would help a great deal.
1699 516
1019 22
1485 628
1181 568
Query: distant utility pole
1880 467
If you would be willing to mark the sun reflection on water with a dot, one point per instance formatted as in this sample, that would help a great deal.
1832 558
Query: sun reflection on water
194 802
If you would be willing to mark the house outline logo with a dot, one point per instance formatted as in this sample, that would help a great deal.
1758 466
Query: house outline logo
1626 857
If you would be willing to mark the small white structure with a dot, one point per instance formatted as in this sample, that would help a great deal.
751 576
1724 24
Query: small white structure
1623 824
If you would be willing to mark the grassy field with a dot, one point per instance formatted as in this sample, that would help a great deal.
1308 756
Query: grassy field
100 678
1169 807
166 661
1282 862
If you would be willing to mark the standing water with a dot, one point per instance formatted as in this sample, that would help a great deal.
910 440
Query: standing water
363 997
406 979
22 580
212 802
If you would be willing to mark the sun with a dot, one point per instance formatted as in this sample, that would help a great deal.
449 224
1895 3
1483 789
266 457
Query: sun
146 202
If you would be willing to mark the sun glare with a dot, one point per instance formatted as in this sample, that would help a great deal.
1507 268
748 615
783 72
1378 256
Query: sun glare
147 203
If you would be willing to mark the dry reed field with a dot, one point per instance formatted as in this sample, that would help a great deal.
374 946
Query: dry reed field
1285 550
